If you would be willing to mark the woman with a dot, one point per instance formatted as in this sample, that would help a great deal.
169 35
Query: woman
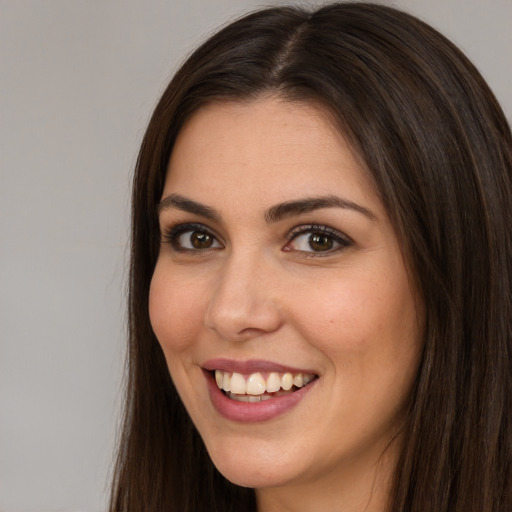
320 293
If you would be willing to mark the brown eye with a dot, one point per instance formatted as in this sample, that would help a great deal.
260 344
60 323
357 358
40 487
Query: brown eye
192 238
201 240
319 242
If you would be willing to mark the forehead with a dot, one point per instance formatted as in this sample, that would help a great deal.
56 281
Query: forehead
269 144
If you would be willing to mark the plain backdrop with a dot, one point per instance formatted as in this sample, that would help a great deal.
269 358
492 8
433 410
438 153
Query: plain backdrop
78 82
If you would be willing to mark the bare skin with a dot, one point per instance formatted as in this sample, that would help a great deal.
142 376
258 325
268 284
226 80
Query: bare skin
320 286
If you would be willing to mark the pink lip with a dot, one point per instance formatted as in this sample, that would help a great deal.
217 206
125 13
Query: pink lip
250 366
251 412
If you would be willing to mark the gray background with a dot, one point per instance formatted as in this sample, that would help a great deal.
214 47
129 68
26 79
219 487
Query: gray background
78 82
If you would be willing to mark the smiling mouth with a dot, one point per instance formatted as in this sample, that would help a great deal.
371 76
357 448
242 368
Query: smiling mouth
258 386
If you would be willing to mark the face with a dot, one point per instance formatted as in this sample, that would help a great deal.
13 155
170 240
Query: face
279 267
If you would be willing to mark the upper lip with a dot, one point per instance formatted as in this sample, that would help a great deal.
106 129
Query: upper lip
250 366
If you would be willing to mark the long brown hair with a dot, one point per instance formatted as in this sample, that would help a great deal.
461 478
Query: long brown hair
439 151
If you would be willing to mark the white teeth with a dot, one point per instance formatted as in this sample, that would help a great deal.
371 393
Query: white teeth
287 381
248 398
226 381
255 386
238 384
273 383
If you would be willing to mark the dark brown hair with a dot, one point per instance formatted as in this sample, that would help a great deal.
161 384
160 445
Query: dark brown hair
438 148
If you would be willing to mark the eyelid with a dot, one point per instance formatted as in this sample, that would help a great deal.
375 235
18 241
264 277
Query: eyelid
171 233
338 236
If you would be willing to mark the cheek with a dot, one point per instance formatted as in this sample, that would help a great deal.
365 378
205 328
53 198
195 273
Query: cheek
176 311
369 332
359 321
337 309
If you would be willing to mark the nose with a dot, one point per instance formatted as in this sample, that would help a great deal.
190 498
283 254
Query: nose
244 304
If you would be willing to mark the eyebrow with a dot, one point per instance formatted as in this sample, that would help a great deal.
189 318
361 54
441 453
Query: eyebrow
273 214
187 205
309 204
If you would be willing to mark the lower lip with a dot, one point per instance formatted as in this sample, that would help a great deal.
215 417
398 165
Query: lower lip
247 412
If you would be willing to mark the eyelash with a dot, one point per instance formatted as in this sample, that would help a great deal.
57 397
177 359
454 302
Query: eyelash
173 234
338 239
334 235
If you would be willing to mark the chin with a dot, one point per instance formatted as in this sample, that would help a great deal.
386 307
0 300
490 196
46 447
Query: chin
256 479
257 471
